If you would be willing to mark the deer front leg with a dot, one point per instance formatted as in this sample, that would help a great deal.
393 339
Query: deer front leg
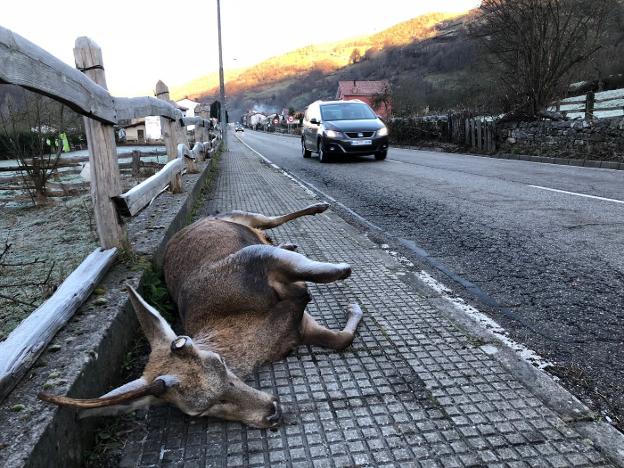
318 335
260 221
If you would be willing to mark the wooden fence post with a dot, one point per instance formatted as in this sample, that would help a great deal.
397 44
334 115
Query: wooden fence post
590 100
473 139
201 132
200 111
467 131
103 164
136 163
170 136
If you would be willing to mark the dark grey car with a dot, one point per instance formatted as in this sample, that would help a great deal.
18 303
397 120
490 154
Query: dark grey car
336 128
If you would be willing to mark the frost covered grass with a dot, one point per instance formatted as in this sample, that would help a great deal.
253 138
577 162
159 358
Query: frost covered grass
43 245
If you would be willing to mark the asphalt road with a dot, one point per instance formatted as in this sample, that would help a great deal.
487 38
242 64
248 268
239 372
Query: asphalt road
544 242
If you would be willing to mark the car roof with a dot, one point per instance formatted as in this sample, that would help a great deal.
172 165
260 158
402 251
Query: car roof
357 101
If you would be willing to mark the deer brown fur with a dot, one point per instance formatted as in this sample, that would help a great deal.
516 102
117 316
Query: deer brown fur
242 303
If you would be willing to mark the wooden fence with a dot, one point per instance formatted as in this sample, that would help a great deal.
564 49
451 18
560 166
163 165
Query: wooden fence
461 128
592 105
84 90
480 134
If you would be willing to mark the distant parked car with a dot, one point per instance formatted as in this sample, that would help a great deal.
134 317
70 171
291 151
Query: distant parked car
335 128
239 128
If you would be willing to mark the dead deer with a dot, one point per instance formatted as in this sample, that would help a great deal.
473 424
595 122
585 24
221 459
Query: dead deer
242 303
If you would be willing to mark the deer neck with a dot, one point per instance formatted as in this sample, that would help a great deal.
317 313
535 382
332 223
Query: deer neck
237 360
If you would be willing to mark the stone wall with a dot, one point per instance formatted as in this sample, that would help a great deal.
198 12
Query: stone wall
596 140
418 131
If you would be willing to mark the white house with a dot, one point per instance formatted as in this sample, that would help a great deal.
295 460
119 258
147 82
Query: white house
135 131
152 123
190 109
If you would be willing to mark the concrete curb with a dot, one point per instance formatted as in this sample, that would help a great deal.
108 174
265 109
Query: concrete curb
561 161
92 347
604 436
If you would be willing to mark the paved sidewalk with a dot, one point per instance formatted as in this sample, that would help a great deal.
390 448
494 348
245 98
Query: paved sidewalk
413 390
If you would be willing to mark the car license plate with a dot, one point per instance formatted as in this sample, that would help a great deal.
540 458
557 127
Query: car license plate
362 142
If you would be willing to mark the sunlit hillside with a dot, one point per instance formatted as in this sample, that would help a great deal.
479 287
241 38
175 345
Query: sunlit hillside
322 57
210 81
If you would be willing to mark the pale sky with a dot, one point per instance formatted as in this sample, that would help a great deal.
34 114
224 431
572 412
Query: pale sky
176 41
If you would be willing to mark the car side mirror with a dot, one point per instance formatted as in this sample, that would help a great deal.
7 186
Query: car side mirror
314 121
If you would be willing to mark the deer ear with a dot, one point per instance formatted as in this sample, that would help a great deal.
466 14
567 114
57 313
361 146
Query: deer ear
155 327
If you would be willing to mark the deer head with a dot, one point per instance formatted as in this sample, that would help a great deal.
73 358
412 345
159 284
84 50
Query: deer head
179 372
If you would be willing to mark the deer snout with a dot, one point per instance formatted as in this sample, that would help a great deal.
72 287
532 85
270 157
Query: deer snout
274 418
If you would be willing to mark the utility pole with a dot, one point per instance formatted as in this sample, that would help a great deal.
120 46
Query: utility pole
221 80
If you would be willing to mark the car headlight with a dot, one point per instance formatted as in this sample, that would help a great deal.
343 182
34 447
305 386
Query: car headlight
332 134
382 131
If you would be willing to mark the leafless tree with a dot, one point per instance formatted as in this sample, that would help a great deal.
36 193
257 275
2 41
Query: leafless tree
538 44
355 56
382 99
32 125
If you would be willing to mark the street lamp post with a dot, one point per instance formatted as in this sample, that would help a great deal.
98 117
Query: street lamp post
221 80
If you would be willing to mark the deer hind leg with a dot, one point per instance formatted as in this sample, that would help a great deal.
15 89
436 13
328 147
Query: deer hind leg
285 266
260 221
318 335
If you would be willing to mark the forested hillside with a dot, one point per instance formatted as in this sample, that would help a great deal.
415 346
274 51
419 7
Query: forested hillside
433 62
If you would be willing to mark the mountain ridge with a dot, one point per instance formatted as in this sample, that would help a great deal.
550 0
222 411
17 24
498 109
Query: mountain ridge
326 57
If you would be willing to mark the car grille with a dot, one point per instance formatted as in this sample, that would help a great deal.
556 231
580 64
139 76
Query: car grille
360 134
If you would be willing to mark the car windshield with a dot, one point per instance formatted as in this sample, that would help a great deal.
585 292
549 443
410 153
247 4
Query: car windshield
346 111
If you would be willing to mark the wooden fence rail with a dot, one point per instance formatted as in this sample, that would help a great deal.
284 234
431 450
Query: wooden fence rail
607 103
22 347
84 90
27 65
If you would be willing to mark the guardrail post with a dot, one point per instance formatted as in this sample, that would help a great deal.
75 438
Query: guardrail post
105 178
170 136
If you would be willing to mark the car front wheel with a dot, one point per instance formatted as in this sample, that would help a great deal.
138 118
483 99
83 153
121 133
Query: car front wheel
323 156
381 155
304 151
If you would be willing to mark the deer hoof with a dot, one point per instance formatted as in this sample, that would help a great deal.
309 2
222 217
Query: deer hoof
276 417
355 310
345 270
319 207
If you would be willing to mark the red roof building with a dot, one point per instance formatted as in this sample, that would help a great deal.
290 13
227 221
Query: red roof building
371 92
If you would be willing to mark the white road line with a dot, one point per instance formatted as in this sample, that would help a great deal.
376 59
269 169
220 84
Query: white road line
577 194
